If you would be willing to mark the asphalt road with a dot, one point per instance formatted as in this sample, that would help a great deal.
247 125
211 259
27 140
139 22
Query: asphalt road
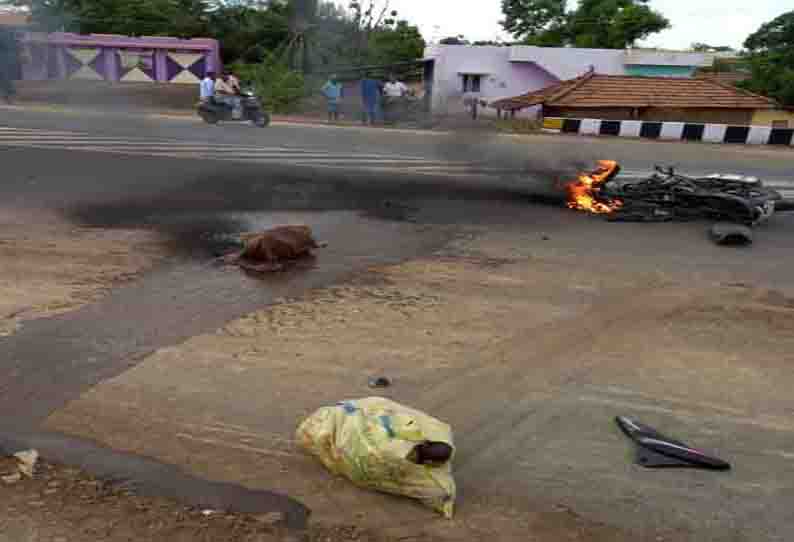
188 179
522 162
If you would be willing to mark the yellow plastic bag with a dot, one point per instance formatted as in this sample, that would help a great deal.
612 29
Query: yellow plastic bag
372 442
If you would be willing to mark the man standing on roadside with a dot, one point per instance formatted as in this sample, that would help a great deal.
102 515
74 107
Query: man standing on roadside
370 98
394 88
332 90
393 92
7 64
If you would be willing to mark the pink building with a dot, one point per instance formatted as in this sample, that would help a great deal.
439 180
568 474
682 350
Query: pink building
491 73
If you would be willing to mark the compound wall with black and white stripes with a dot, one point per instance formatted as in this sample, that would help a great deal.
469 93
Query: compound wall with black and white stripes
674 131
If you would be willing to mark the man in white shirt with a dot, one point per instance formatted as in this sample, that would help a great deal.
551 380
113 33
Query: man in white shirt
395 88
207 87
394 93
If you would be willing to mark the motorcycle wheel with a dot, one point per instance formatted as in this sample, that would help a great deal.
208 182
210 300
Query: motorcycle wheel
209 118
262 121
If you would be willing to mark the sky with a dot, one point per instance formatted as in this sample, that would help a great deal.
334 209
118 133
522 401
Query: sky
716 22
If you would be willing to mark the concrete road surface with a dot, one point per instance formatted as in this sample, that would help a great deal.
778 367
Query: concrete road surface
533 391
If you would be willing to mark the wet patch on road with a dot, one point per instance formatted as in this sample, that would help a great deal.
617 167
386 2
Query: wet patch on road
196 213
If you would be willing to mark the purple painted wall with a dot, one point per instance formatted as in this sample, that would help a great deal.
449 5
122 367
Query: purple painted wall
117 58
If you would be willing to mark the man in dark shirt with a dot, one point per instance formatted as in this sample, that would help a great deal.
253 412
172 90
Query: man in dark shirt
371 91
7 65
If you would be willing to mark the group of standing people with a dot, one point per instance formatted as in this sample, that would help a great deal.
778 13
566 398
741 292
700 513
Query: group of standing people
374 96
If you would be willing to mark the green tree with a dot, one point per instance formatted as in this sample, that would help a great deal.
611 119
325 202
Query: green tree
455 40
608 24
249 31
771 55
182 18
368 17
279 88
534 20
706 48
364 34
401 42
490 43
303 29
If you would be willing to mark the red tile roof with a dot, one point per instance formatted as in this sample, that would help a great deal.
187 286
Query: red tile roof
594 90
726 78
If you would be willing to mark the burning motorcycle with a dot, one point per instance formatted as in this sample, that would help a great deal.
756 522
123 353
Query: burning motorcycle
669 196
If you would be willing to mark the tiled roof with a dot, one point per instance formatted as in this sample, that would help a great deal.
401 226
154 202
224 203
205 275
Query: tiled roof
538 97
593 90
726 78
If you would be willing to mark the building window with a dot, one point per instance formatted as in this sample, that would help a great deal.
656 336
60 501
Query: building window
471 83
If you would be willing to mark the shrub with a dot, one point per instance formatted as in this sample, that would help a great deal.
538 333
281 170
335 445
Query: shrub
279 88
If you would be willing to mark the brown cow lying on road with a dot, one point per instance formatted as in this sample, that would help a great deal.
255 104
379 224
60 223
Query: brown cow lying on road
271 250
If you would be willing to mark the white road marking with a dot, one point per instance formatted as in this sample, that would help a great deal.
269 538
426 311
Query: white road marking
10 135
293 156
94 143
158 150
372 166
255 157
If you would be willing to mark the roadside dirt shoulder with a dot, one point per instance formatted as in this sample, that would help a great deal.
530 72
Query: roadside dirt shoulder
48 266
61 504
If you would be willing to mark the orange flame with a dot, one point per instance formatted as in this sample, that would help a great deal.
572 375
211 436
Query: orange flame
583 193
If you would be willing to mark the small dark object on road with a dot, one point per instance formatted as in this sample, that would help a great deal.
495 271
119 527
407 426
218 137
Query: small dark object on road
379 382
546 238
431 453
735 235
655 450
271 250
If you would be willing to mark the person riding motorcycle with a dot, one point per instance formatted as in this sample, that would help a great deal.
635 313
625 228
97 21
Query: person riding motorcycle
222 99
227 90
207 87
234 82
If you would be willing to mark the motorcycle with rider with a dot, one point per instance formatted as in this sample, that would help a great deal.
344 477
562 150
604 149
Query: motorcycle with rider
223 99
